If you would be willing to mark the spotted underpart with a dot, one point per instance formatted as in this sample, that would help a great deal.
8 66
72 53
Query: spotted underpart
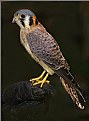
44 49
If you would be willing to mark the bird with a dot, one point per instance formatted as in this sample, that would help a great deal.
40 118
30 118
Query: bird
45 50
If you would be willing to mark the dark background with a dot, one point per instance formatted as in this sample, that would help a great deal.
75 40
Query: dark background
68 22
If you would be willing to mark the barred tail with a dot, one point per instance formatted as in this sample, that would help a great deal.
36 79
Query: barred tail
73 93
72 87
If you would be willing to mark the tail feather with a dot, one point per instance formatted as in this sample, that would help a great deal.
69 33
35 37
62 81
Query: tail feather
72 87
72 92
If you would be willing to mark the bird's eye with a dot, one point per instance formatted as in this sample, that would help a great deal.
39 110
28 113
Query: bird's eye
22 16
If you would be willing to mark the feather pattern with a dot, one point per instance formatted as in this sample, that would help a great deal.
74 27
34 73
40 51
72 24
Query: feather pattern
43 45
71 90
72 87
46 48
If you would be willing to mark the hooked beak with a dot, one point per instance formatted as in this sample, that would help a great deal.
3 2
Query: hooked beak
13 21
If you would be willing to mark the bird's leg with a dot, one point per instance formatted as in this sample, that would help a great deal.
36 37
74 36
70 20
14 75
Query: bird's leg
42 81
38 78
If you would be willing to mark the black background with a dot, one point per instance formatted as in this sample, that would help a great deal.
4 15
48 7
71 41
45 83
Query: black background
68 22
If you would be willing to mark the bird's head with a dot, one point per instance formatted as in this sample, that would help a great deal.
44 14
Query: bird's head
25 18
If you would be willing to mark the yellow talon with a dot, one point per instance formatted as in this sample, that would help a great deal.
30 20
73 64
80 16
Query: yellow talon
40 79
41 82
44 80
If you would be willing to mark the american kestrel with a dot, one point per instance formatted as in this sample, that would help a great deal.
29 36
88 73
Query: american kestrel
44 49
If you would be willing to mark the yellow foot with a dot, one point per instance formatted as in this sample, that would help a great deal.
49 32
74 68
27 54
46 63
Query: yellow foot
41 82
40 79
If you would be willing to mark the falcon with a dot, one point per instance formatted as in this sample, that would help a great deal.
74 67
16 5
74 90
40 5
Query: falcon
44 49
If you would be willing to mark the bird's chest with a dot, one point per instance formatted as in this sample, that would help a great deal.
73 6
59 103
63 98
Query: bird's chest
24 42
